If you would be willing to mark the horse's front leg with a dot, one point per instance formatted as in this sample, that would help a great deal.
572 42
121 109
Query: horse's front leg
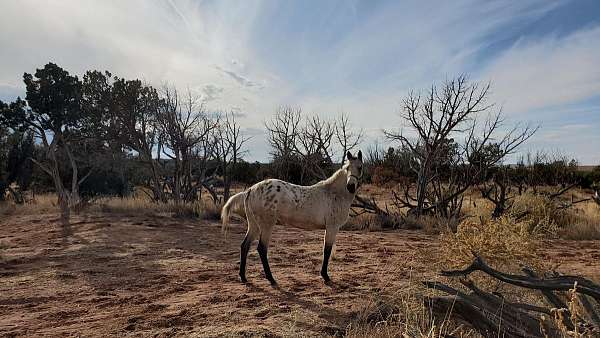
328 245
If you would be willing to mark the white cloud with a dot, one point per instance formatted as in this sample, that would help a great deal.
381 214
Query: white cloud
252 56
548 72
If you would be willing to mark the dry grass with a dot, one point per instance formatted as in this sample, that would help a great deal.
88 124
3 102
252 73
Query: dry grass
372 222
576 311
394 312
432 225
402 313
39 204
136 205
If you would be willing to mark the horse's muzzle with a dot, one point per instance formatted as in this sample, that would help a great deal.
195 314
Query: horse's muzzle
351 188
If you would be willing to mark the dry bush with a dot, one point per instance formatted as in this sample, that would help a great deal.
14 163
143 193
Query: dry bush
581 223
541 213
502 241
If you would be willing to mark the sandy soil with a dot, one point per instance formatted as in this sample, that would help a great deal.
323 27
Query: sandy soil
110 275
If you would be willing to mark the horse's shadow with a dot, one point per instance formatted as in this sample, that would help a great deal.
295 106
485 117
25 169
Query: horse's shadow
279 293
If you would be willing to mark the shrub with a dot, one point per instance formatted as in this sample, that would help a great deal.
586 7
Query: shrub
501 241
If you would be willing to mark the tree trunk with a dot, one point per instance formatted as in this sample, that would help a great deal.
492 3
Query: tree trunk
421 188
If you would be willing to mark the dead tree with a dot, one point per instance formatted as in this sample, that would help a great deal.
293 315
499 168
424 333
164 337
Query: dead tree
183 123
283 131
492 315
498 191
438 118
229 148
348 138
314 148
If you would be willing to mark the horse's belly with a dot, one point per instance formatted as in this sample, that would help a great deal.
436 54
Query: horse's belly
302 224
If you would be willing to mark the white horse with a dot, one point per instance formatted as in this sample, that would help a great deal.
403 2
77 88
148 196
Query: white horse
324 205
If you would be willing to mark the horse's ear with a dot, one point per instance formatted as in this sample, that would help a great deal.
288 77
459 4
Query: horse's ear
360 155
349 155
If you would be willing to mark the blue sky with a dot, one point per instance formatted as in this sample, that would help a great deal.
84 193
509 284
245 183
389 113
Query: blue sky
358 57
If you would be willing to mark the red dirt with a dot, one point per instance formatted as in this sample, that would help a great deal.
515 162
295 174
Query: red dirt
115 275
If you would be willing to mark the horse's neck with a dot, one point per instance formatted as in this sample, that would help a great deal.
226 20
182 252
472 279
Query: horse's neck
337 182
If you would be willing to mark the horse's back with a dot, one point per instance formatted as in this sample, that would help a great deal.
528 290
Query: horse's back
289 204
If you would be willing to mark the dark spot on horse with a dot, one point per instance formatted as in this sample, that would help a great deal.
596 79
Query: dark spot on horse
278 188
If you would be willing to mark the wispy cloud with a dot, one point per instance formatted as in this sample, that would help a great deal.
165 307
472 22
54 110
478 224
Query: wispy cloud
243 81
547 72
211 92
355 56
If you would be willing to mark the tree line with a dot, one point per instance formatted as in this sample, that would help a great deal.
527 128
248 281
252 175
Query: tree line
124 130
104 135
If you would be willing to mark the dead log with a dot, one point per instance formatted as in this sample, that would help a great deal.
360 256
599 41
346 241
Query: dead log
489 314
555 283
367 205
492 315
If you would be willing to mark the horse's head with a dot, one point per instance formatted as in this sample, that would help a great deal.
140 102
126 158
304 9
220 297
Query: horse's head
354 171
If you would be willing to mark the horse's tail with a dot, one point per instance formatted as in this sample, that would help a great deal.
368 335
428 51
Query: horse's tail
234 204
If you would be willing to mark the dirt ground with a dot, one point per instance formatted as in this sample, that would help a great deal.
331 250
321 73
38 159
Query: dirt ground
109 275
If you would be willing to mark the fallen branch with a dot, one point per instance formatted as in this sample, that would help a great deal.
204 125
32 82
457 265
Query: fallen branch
492 315
558 283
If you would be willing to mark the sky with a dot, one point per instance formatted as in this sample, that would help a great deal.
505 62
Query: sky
542 58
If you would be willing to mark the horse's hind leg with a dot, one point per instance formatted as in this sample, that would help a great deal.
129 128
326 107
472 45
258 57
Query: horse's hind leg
328 245
263 248
251 235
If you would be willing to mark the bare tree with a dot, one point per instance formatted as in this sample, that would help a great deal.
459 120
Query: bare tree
314 148
444 167
229 147
348 138
184 124
283 131
498 191
307 144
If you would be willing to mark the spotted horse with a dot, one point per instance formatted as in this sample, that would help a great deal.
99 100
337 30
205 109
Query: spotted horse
324 205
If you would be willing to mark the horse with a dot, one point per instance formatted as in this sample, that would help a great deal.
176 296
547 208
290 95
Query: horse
324 205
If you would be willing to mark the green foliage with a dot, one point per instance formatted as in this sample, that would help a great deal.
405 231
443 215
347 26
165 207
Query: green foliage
54 98
19 167
590 179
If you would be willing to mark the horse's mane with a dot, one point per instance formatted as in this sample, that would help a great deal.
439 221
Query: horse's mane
336 175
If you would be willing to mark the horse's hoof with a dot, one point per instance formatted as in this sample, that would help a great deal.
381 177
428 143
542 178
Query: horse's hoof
243 279
273 282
